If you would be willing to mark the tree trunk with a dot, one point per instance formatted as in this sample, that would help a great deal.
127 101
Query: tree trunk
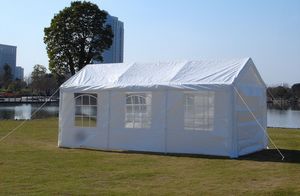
72 69
71 63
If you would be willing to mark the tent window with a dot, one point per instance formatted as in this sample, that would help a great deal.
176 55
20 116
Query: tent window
85 110
138 110
199 111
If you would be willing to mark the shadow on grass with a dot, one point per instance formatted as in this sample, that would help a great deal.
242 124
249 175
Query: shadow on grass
272 155
269 155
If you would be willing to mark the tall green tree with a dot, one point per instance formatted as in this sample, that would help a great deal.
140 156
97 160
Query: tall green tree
77 35
17 85
42 82
280 92
296 90
7 76
38 78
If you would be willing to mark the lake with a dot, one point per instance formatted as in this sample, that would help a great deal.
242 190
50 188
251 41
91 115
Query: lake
24 111
276 118
283 118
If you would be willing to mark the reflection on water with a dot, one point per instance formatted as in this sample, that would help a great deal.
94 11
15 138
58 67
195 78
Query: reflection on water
24 111
284 118
284 114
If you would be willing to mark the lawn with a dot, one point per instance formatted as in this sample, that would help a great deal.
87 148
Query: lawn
31 164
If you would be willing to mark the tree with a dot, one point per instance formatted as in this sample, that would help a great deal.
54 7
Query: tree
37 77
296 90
280 92
50 84
76 36
41 81
17 85
7 76
27 79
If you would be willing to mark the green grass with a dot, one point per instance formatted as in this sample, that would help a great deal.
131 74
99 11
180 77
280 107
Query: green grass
31 164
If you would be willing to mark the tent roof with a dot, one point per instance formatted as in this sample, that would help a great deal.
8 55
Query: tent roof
178 74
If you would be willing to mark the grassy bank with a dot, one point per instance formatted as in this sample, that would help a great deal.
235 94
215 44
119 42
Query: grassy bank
30 163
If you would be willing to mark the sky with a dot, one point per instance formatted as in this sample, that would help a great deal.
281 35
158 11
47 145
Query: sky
268 31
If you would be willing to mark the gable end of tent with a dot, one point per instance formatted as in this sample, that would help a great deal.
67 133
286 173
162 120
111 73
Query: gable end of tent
249 75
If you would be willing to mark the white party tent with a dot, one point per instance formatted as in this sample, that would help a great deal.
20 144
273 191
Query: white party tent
212 107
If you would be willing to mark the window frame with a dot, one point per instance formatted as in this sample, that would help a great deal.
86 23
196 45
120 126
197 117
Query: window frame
140 120
201 116
86 107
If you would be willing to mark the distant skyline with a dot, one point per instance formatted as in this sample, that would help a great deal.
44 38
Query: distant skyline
267 31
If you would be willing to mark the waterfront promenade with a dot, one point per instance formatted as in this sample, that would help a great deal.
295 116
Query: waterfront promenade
28 99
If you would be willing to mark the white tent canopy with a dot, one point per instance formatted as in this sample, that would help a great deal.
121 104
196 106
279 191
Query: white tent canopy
174 107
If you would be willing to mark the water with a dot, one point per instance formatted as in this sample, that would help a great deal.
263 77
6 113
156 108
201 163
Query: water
24 111
284 118
276 118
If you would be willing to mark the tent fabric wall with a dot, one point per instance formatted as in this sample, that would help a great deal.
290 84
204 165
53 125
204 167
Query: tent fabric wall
214 142
250 93
251 137
166 134
142 139
234 132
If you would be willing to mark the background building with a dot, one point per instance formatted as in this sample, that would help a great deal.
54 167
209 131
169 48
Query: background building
8 55
19 73
116 51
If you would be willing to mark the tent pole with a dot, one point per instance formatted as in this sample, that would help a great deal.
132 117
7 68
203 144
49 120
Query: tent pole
108 120
234 132
59 116
166 121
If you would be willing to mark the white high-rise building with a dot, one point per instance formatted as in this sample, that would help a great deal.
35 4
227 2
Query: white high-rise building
116 51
